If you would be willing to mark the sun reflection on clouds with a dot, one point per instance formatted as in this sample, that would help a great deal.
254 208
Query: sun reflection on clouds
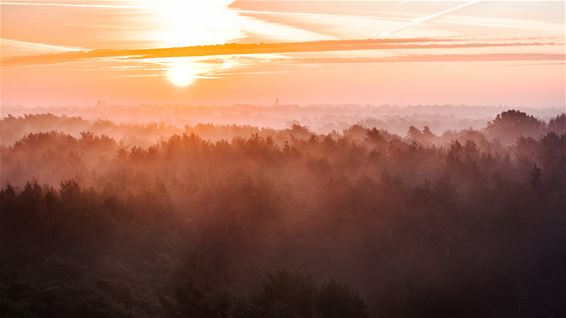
193 22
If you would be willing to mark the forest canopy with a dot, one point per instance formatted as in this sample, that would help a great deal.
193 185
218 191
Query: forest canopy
239 221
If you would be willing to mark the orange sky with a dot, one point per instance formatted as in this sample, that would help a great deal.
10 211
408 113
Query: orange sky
370 52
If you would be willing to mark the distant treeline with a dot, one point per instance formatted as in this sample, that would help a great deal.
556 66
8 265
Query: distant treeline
286 223
150 125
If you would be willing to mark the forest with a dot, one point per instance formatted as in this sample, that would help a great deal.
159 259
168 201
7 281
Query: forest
106 219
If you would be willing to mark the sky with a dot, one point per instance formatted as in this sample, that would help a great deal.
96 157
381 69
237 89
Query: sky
223 52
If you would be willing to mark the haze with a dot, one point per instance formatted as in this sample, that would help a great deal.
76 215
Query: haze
282 159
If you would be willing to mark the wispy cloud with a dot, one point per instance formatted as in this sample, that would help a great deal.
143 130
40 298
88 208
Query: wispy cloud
436 58
69 5
263 48
7 46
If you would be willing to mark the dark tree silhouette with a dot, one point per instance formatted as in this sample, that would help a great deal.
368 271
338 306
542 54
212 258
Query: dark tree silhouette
558 124
511 124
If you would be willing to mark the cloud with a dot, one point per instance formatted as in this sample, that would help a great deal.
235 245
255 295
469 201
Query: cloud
9 47
68 5
437 58
261 48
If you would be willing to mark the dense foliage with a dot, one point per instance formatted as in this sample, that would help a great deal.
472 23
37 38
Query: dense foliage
293 224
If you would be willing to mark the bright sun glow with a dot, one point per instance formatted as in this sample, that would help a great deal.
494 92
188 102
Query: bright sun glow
192 22
182 72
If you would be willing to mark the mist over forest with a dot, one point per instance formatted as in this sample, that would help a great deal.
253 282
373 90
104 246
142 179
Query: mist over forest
405 124
320 119
429 211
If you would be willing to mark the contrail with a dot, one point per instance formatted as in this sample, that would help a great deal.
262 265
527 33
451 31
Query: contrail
427 18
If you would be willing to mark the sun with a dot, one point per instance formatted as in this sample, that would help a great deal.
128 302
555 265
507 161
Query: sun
182 72
192 22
